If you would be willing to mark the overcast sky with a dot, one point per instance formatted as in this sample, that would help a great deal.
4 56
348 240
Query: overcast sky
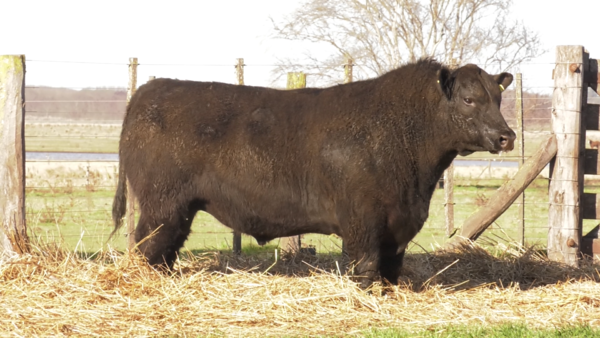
90 42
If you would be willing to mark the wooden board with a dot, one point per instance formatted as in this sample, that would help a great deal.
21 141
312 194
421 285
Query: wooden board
590 246
592 76
591 206
591 116
590 164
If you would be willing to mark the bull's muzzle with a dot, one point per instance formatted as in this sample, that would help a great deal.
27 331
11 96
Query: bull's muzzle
507 140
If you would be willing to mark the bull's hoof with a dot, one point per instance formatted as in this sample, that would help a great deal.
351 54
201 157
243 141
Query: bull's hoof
390 282
309 251
365 284
365 280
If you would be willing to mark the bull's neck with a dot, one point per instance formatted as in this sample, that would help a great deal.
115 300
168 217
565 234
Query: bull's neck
434 156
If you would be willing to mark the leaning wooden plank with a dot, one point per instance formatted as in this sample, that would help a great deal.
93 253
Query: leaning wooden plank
508 193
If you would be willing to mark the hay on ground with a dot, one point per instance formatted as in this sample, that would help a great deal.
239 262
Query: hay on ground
56 293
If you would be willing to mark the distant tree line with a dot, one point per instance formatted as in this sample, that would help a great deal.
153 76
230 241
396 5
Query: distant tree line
65 104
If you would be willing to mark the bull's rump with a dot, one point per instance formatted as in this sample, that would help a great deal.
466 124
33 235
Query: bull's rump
257 158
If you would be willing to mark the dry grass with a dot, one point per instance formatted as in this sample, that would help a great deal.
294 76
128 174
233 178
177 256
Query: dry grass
56 293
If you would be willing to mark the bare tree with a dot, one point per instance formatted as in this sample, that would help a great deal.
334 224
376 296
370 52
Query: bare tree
380 35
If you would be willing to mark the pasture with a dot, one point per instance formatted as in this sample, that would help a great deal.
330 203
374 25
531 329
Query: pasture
76 282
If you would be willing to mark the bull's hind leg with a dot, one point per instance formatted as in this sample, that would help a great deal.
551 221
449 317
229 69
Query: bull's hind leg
161 237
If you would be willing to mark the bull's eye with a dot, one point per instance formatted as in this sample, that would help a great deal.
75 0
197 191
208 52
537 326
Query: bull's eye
468 101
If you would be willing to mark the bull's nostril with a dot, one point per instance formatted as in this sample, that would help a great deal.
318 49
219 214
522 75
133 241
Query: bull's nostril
506 141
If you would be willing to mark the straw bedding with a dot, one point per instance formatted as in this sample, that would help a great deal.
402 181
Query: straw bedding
55 293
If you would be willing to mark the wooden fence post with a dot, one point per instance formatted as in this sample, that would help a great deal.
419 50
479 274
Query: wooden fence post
348 70
449 199
348 77
131 87
566 184
294 81
13 231
239 75
449 187
239 71
521 142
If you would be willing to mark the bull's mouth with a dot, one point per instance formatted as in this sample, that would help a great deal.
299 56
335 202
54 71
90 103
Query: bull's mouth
496 144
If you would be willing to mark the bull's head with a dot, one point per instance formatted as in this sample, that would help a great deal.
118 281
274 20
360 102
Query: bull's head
474 98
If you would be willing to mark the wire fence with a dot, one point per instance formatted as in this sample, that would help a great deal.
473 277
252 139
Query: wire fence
70 199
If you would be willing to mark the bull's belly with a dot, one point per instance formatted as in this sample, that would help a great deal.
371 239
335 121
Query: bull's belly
267 208
266 225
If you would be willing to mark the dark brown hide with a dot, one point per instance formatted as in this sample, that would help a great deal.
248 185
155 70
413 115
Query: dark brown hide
360 160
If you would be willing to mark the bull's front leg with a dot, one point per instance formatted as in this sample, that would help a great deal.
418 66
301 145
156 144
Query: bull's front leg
392 257
363 243
366 266
398 234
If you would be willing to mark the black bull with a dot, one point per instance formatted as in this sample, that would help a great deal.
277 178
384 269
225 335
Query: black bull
359 160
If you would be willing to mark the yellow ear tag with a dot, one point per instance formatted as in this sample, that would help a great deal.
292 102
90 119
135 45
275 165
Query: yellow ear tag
501 88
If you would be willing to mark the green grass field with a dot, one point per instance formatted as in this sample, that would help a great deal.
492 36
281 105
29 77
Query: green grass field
85 138
510 330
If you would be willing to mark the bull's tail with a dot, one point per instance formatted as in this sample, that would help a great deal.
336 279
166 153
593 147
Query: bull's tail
120 201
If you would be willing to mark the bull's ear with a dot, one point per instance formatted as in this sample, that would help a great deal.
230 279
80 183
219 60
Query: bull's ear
445 82
503 80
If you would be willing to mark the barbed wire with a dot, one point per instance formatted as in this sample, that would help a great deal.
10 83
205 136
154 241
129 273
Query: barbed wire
80 62
73 137
75 101
118 88
234 63
46 209
72 112
71 186
512 98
